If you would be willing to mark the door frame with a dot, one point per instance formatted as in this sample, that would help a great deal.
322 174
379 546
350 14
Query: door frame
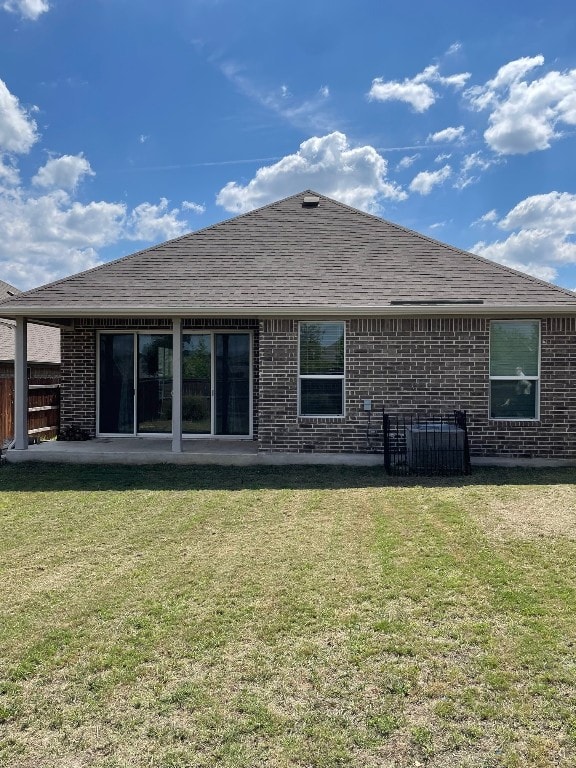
169 332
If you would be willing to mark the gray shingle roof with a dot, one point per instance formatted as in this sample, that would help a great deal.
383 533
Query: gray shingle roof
43 342
287 255
7 290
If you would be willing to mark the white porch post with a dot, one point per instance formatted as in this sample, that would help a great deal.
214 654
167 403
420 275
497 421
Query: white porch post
21 386
177 385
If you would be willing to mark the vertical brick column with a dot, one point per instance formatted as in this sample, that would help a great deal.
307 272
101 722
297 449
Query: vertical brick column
78 392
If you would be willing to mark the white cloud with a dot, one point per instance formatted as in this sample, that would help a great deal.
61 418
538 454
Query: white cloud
525 251
407 161
63 172
29 9
538 211
356 176
45 233
17 128
143 138
419 95
470 168
154 222
454 48
308 114
424 182
545 225
44 237
442 157
194 207
448 134
9 175
488 218
415 91
525 115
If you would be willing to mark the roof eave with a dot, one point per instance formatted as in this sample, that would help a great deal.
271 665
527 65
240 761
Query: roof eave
292 311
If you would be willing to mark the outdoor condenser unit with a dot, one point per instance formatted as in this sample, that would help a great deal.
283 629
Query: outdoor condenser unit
433 447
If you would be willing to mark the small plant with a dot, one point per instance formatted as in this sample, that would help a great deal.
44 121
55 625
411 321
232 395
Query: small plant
73 432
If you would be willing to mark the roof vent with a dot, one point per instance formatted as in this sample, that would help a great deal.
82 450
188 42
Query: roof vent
310 201
416 302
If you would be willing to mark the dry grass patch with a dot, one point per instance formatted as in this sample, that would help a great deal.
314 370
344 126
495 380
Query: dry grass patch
518 511
302 617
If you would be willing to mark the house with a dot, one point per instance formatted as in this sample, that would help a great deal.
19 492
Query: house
293 325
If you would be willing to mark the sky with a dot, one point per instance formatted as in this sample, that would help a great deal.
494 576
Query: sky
126 123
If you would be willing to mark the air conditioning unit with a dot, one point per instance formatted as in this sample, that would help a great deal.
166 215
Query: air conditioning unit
435 447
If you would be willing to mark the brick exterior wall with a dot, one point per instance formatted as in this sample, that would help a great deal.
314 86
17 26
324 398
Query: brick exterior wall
408 365
432 365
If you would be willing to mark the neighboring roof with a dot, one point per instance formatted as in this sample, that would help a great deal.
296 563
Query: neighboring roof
43 341
289 257
7 291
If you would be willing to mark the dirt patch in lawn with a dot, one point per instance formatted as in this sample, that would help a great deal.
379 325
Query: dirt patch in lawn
523 513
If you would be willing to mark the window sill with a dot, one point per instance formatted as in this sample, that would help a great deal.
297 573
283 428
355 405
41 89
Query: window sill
321 416
515 419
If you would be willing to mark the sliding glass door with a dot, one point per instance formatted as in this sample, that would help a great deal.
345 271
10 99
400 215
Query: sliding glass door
197 384
232 395
136 381
116 383
154 400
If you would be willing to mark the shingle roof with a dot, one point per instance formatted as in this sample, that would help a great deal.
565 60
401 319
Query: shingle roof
7 290
287 255
43 341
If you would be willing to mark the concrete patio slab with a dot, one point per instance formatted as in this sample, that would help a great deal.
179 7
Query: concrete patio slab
144 450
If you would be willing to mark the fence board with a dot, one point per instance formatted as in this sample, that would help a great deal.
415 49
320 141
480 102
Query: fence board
43 408
6 410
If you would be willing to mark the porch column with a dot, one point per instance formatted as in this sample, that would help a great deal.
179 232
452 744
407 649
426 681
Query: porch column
21 386
177 385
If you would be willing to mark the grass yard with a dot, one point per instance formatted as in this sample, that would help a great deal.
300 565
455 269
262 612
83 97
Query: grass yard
313 617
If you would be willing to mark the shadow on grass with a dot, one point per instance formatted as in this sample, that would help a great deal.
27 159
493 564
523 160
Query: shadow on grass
164 477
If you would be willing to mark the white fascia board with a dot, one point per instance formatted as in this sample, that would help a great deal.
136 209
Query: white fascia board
404 310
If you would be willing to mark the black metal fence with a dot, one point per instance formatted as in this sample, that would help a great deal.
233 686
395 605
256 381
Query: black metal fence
426 445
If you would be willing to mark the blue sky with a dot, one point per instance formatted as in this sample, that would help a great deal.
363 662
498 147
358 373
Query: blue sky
124 123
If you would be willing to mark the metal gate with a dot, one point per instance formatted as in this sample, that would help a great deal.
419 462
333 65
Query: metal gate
418 444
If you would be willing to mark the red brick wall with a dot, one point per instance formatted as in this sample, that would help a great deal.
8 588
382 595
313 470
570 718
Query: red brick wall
417 365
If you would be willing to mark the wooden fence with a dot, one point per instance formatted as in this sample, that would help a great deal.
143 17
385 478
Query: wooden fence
43 409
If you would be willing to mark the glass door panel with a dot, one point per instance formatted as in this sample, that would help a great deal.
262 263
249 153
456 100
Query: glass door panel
154 383
232 395
116 384
196 384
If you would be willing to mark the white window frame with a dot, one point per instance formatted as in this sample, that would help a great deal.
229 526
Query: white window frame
536 379
323 377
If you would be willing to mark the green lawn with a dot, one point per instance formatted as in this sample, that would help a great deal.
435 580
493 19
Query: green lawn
314 617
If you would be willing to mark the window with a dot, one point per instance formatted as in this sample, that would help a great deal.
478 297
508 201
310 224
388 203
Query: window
321 369
514 369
